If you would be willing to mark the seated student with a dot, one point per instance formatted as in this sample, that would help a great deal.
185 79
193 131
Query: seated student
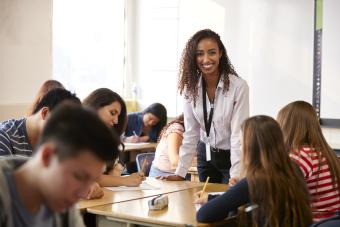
270 180
111 110
45 87
167 151
19 137
145 126
318 162
69 157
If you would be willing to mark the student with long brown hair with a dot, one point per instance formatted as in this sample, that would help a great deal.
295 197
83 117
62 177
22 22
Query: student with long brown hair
270 180
317 160
111 109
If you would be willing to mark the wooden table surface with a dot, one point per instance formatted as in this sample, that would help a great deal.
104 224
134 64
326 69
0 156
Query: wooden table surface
181 210
121 196
140 147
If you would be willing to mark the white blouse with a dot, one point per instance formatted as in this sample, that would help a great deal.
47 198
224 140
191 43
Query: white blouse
230 110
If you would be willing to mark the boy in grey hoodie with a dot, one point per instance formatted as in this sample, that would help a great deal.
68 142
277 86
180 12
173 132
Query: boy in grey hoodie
70 156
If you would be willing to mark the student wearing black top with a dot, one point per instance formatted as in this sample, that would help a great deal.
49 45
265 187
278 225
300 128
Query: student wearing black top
270 180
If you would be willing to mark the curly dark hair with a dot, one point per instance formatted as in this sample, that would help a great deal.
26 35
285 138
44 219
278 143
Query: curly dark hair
189 72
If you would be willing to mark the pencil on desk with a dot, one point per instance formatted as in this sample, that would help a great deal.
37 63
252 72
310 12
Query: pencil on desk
205 185
143 165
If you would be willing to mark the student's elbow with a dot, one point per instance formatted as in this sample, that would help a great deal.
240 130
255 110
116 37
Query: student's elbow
203 217
174 163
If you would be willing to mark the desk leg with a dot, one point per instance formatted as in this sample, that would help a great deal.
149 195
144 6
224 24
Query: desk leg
105 222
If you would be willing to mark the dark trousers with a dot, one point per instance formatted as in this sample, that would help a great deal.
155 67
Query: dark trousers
217 168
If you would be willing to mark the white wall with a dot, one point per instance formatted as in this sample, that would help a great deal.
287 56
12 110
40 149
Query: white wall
330 67
270 44
156 53
25 53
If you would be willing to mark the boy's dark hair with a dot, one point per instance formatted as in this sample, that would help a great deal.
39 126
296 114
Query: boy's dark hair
54 97
75 129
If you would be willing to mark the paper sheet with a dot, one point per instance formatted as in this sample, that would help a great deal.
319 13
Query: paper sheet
215 193
135 144
198 206
142 186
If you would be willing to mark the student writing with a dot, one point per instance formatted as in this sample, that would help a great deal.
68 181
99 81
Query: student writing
270 180
69 155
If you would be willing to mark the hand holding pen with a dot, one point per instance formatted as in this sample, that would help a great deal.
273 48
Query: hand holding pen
132 139
136 136
201 197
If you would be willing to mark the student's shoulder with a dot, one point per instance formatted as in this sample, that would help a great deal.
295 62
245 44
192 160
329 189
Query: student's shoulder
11 125
175 128
134 118
134 114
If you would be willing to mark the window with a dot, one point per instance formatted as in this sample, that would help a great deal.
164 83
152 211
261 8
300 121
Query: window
88 44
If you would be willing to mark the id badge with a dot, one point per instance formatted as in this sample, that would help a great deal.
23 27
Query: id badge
207 152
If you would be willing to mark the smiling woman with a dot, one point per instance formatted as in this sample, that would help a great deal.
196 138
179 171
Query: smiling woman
216 103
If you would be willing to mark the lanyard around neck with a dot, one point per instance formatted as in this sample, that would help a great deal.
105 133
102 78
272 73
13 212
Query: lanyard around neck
207 122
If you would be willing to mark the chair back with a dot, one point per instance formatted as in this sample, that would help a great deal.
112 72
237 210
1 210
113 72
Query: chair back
148 157
328 222
242 218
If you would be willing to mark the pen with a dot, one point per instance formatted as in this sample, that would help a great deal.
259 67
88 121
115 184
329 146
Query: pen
205 185
134 133
143 165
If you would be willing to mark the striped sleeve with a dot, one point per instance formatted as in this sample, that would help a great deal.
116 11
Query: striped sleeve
304 161
5 144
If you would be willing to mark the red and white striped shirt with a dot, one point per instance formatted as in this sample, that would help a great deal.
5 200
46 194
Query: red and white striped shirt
325 197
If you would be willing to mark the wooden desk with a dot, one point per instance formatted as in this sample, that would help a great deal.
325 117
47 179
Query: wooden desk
121 196
181 210
140 147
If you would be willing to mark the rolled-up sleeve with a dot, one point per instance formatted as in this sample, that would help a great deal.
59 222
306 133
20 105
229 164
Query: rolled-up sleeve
190 139
240 113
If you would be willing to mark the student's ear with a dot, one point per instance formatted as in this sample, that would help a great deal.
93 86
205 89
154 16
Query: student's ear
44 112
48 151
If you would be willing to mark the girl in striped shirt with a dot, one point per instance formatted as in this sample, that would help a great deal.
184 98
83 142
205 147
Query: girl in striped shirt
318 162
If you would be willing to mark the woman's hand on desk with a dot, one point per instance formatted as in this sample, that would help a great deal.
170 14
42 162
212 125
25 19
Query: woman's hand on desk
171 178
199 198
134 179
95 192
233 181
